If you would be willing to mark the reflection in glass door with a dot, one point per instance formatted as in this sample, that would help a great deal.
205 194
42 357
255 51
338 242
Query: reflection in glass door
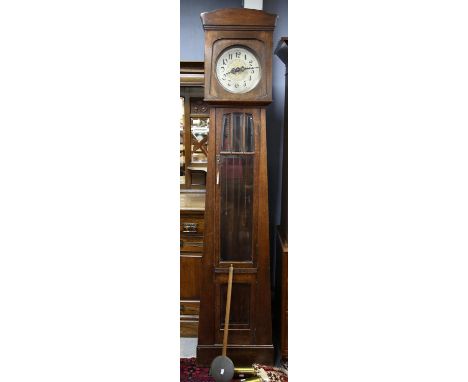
236 181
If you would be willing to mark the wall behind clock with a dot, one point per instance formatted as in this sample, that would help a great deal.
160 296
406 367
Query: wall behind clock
191 31
275 120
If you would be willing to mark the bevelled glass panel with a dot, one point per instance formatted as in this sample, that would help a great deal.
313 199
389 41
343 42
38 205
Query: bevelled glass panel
236 194
199 129
226 137
249 134
181 142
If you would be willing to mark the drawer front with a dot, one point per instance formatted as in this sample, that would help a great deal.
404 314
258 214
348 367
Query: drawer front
191 243
189 328
189 308
189 311
191 251
191 225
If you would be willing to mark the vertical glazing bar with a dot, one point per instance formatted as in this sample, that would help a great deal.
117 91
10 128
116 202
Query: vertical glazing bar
248 133
237 126
226 133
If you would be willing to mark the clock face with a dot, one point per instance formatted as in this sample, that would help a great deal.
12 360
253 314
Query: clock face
238 70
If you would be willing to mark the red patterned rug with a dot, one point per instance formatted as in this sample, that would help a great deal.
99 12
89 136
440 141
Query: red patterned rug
190 372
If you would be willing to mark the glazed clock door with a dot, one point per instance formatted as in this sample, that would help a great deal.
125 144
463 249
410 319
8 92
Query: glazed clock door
236 162
237 151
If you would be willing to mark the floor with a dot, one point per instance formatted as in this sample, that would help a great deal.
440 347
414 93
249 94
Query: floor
188 347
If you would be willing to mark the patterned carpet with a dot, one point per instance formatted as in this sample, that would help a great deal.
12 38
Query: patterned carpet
189 372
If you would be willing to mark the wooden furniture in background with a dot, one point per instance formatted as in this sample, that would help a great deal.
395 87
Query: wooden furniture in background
192 73
282 291
195 127
236 216
282 230
192 202
192 210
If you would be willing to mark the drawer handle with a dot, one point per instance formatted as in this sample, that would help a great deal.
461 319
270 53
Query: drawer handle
189 227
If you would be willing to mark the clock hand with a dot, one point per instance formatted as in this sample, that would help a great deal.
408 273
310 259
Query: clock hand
252 67
241 69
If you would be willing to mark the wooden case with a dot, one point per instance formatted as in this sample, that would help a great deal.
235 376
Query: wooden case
237 232
238 26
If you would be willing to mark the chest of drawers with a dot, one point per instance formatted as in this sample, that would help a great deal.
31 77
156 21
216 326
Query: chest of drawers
192 211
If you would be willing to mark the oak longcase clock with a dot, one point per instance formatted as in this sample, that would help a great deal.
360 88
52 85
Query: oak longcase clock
238 62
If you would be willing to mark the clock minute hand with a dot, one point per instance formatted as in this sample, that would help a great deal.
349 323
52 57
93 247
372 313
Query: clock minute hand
241 69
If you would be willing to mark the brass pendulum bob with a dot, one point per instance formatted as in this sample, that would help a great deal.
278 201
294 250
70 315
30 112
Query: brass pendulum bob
222 368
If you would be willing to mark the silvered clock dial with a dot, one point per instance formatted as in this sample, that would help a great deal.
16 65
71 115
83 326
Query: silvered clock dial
238 69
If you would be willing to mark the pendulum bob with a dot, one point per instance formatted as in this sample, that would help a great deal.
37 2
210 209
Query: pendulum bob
222 369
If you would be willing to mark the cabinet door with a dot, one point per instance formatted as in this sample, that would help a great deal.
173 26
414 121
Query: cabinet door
236 157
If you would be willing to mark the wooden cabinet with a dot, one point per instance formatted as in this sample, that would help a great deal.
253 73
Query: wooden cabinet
194 127
282 290
282 230
192 210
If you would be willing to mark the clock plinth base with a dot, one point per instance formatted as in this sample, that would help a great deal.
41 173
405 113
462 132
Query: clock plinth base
241 355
